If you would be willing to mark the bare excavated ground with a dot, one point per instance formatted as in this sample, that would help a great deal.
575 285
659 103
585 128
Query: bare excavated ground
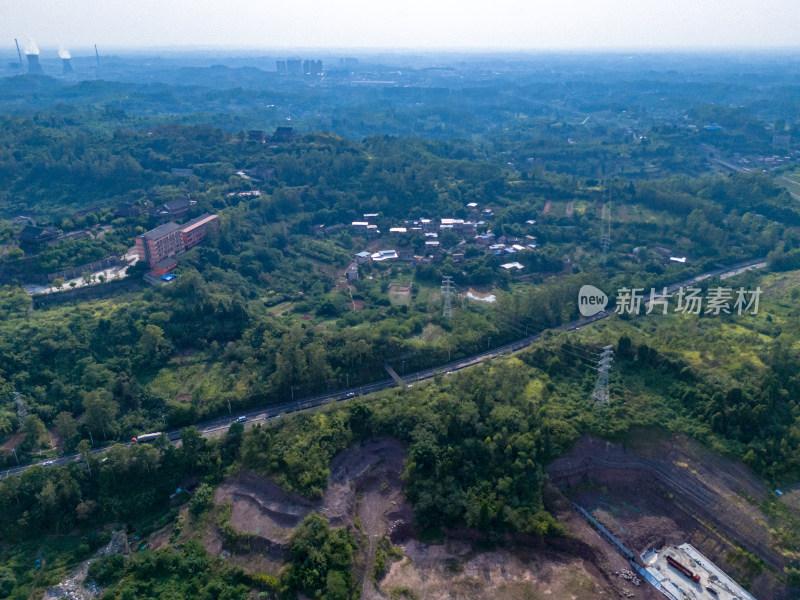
365 493
580 566
670 491
364 482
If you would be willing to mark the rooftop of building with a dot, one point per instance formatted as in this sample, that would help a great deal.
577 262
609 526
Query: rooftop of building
161 231
198 222
166 263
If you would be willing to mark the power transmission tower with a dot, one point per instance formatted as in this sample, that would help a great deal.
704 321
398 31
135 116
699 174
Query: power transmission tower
447 292
605 225
22 411
601 393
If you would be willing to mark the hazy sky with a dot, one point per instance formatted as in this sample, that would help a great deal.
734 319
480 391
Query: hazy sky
497 24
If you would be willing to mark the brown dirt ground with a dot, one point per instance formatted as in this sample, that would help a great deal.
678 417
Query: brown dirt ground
577 567
365 493
658 492
13 441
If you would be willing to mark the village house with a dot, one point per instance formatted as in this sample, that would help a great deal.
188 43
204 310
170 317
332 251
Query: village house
352 272
37 236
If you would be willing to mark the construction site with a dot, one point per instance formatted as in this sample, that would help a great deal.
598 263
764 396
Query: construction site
684 572
660 498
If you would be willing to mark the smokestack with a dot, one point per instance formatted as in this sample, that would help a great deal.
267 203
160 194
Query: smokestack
66 65
34 68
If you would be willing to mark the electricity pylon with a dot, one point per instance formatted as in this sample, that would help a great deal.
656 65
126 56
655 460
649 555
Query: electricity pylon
601 394
447 293
605 225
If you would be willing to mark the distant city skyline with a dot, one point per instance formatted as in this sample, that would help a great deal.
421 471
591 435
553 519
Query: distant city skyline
412 24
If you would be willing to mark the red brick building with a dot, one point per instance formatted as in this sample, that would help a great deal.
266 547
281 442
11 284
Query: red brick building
163 267
157 246
160 243
195 230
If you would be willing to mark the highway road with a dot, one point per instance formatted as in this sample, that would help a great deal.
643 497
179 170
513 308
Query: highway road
274 411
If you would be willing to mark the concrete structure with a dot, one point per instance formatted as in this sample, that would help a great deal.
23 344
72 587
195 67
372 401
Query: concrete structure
193 232
284 134
312 67
256 135
160 243
34 68
714 584
382 255
363 257
512 266
170 239
163 267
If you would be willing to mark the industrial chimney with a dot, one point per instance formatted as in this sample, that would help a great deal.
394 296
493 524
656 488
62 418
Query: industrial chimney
66 57
34 68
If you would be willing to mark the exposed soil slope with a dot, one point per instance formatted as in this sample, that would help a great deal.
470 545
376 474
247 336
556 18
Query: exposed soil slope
659 492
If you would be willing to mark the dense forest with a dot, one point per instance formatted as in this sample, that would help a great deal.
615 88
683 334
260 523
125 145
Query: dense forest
588 179
234 314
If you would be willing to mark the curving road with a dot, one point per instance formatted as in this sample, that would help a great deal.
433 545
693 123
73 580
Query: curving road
274 411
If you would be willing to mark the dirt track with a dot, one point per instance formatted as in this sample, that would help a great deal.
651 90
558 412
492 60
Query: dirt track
674 491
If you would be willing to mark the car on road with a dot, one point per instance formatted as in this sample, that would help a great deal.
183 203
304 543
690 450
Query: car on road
350 395
48 463
241 419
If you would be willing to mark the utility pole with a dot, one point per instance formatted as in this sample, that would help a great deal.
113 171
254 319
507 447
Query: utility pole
447 293
601 393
